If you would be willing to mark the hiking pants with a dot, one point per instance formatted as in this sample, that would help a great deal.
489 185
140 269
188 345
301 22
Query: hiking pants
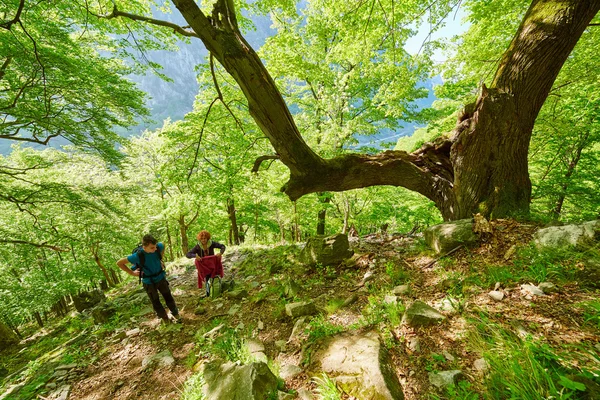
163 288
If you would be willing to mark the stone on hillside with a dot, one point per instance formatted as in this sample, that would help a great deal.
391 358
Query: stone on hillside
531 290
326 250
291 289
496 295
305 394
589 275
445 237
285 396
444 378
414 344
162 359
66 366
103 312
360 366
298 334
254 346
350 300
133 332
229 381
401 290
62 393
510 252
548 287
390 299
7 337
212 334
86 300
300 309
239 293
561 237
481 365
289 371
421 314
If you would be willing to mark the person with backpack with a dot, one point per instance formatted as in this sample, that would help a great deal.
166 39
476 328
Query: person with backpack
207 267
148 265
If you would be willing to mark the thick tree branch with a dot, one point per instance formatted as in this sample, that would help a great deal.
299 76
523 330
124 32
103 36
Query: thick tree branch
260 160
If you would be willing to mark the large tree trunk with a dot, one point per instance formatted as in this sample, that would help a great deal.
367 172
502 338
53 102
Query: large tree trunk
325 199
482 167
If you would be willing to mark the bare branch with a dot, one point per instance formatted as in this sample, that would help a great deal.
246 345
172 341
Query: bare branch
176 28
16 19
200 138
39 245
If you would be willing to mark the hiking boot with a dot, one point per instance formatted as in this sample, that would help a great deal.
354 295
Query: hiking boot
177 319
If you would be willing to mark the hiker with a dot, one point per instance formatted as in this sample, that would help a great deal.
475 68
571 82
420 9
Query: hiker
148 263
208 267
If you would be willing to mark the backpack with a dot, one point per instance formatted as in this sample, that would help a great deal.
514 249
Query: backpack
139 250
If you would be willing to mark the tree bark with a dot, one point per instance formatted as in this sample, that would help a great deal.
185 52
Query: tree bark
482 167
235 234
324 198
107 277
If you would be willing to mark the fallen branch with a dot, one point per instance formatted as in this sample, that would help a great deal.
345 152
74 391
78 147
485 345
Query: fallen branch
442 256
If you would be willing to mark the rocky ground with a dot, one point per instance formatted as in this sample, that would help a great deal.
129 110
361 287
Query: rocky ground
135 357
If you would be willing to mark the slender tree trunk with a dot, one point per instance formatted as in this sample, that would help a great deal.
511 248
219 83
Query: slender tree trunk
185 247
324 198
95 249
38 318
255 222
567 179
233 220
346 215
170 241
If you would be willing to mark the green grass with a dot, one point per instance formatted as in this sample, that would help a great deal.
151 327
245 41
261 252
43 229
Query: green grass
397 275
522 368
326 388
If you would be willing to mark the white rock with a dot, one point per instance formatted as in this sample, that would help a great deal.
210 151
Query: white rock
496 295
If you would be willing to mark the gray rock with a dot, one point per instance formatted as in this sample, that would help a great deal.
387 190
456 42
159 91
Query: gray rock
162 359
448 356
531 290
445 237
66 366
350 300
360 366
300 309
239 293
298 333
548 287
561 237
86 300
281 345
444 378
481 365
291 289
254 346
589 275
496 295
390 300
326 250
414 344
305 394
285 396
103 312
289 371
229 381
421 314
401 290
133 332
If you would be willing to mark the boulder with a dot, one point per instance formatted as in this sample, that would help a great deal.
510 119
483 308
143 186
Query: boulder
421 314
326 250
86 300
162 359
102 313
360 366
300 309
589 274
444 378
445 237
562 237
230 381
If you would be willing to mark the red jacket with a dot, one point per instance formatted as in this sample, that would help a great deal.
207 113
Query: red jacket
209 266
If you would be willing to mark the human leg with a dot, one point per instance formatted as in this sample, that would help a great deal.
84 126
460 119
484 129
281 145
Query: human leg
165 290
152 292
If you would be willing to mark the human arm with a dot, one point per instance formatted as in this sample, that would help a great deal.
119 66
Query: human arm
122 263
219 246
193 252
